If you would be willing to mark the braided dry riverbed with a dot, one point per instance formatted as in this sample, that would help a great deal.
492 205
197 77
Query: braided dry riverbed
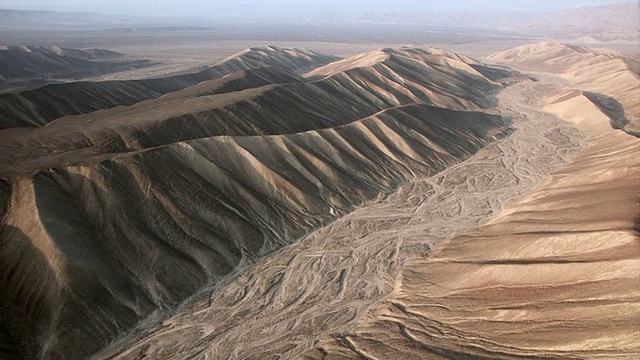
322 285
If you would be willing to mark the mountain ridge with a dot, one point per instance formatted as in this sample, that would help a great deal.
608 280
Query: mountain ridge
39 106
242 104
30 66
100 241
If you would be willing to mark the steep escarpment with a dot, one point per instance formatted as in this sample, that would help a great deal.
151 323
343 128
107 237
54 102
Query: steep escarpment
146 217
40 106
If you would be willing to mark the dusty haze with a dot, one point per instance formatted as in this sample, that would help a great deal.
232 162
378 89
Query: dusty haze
278 9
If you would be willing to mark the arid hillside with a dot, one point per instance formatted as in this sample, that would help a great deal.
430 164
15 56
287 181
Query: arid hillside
606 78
528 249
240 104
40 106
119 207
555 274
22 66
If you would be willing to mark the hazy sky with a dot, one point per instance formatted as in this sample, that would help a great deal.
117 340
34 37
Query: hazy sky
287 8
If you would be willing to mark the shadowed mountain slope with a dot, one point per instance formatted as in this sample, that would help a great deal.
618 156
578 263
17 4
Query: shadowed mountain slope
90 250
40 106
29 66
141 233
28 62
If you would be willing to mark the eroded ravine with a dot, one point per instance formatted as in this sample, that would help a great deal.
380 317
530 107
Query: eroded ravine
319 287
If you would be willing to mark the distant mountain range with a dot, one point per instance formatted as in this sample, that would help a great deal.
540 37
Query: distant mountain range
609 23
60 19
10 18
618 22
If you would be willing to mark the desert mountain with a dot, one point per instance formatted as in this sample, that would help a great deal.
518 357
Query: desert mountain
33 65
553 274
618 22
606 78
117 214
39 106
263 101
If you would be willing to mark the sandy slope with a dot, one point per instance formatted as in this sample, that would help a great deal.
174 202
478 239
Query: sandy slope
610 75
554 276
